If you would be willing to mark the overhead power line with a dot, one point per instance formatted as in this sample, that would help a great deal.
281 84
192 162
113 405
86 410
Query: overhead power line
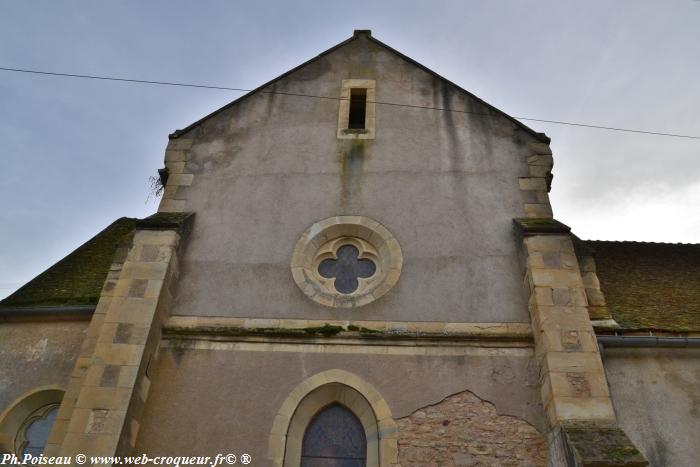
396 104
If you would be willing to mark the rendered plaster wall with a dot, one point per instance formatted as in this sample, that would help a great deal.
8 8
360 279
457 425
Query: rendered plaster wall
444 183
205 402
656 393
34 354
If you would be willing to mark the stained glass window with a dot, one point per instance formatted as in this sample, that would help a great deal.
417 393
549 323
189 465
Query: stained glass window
37 429
347 269
334 438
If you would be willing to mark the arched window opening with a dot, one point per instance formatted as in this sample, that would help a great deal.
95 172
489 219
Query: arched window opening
25 425
34 433
334 438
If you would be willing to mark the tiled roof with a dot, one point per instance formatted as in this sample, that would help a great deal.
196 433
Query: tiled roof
77 279
653 286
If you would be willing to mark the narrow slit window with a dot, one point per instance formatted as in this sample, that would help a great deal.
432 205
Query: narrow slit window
358 108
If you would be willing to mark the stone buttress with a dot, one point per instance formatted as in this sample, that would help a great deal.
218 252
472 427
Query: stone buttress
100 413
584 429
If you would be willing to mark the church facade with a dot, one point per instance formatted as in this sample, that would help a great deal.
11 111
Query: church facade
357 264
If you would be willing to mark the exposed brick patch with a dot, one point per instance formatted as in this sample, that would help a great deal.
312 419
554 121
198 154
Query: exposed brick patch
463 430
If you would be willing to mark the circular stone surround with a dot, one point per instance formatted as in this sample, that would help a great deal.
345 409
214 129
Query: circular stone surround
322 240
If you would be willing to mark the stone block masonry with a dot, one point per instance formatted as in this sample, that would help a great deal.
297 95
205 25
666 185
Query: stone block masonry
101 412
571 368
573 383
560 297
178 179
534 188
597 306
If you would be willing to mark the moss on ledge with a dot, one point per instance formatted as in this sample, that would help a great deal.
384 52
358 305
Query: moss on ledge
540 226
329 331
325 330
601 445
164 220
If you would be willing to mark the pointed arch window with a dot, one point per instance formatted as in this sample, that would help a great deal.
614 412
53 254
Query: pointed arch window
328 421
335 437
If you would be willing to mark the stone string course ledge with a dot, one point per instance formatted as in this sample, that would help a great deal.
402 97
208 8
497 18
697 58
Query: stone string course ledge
187 326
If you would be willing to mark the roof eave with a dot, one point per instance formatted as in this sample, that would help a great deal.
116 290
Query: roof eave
540 136
46 313
177 133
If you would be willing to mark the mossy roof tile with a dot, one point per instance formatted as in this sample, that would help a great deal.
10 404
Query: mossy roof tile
77 279
654 286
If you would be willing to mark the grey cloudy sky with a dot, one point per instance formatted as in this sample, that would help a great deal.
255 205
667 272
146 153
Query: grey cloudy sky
77 154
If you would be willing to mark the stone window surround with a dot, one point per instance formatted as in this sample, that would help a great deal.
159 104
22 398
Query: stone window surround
319 241
320 391
15 418
344 109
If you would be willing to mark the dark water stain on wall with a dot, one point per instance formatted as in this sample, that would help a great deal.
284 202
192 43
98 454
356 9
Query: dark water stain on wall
656 452
313 71
353 154
454 147
689 386
443 99
360 60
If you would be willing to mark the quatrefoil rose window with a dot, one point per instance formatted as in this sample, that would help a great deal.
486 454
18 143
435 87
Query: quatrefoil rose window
346 261
344 266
